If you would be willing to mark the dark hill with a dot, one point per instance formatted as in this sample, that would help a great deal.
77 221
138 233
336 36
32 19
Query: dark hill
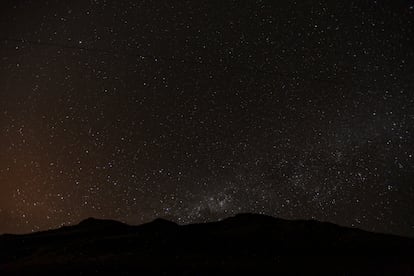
244 243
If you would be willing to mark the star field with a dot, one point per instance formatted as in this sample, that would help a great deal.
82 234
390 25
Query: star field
198 110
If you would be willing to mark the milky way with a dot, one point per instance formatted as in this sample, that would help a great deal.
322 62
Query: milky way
198 110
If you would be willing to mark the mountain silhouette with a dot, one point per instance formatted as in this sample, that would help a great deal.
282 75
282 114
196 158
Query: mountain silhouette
245 243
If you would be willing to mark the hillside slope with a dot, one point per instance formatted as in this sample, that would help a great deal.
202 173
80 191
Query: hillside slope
246 242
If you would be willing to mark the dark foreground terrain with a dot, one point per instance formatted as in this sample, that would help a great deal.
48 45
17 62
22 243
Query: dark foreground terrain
245 243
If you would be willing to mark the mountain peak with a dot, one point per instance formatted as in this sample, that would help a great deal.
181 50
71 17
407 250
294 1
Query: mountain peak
94 222
250 217
161 221
88 221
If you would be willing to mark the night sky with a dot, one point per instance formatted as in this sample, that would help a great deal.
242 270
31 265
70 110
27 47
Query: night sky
197 110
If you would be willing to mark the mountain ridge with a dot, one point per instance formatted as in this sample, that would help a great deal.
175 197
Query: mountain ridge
245 242
95 222
92 224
